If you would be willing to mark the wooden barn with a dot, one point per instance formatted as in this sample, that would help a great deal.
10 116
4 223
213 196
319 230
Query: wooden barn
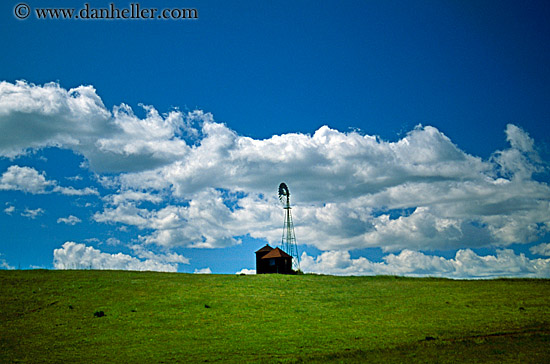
269 260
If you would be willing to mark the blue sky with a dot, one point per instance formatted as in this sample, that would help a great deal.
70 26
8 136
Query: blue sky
414 137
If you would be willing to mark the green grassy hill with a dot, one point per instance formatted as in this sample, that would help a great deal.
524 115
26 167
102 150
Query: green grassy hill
48 316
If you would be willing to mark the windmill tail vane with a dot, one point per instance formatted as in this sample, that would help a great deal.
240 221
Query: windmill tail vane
288 240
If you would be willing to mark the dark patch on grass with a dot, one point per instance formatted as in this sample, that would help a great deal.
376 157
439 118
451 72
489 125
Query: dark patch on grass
528 332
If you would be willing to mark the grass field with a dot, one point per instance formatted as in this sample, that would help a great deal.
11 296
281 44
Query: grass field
48 316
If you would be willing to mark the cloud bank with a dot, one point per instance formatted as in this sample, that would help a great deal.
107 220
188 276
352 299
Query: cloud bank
185 180
34 117
541 249
29 180
70 220
79 256
465 265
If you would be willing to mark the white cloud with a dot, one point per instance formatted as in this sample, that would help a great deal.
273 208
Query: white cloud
38 116
4 264
349 191
9 210
201 224
203 271
29 180
465 264
113 241
79 256
34 117
519 140
246 271
32 214
70 220
347 187
71 191
141 252
541 249
24 179
137 196
211 185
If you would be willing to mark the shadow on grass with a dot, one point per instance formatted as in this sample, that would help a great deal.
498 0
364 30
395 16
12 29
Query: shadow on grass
520 347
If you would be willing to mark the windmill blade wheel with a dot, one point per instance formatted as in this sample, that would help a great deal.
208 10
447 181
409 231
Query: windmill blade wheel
284 193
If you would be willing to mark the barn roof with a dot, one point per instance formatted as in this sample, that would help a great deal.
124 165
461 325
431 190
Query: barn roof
276 253
266 248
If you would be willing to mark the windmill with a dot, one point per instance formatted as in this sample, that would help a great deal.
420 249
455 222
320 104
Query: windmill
288 241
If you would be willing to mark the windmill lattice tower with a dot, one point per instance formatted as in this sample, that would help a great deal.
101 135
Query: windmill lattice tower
288 241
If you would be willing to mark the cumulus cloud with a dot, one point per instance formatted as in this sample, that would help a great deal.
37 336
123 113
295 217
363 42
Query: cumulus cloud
32 214
465 264
521 160
210 186
203 271
349 191
203 223
141 252
79 256
29 180
24 179
9 210
246 271
541 249
40 116
70 220
34 117
71 191
132 196
113 241
4 264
